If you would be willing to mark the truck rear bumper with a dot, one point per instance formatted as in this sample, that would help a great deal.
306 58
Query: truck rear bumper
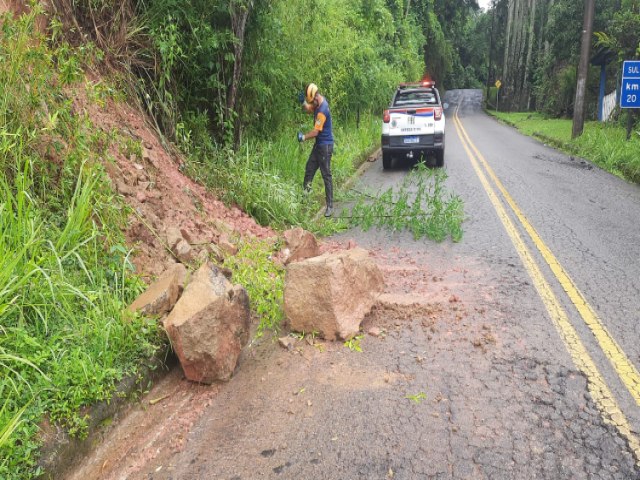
425 144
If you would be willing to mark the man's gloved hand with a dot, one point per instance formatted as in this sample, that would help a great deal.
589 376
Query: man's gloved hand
300 137
301 97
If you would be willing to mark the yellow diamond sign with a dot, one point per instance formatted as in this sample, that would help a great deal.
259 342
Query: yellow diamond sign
498 83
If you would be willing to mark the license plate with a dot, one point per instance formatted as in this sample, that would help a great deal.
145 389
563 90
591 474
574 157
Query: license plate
411 139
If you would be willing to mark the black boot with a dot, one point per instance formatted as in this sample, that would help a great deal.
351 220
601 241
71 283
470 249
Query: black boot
329 199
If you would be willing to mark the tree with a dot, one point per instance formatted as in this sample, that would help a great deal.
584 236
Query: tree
239 11
623 37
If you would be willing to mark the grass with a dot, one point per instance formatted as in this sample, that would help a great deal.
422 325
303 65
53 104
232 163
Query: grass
265 177
263 279
420 204
65 277
604 144
417 398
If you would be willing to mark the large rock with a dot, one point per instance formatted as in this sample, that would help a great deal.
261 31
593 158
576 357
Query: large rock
332 293
163 294
209 326
299 245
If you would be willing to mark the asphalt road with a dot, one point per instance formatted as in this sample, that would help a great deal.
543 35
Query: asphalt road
510 355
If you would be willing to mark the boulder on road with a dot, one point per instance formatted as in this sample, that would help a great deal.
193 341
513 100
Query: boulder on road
209 326
163 294
299 245
331 294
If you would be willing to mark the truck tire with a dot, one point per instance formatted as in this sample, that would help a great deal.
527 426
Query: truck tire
440 158
387 161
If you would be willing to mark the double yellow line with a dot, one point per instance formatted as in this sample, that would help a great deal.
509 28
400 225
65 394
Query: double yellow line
599 390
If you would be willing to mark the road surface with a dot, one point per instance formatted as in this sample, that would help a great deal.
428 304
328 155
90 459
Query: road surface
510 355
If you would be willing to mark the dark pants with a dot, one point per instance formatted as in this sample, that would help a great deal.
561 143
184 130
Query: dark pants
320 157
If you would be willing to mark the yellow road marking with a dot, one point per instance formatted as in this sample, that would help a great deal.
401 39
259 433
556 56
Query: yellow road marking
600 392
625 369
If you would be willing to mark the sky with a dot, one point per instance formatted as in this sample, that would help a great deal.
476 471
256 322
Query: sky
484 3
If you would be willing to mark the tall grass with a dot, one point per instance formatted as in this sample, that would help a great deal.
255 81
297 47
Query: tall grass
64 276
265 177
607 146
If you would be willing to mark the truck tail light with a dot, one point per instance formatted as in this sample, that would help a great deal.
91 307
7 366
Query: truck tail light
386 116
437 113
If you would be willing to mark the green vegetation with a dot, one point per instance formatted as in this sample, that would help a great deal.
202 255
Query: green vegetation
264 281
417 398
265 177
353 344
64 272
420 205
603 144
535 48
204 61
240 134
221 78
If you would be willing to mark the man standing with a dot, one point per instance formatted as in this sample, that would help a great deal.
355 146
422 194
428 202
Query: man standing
320 156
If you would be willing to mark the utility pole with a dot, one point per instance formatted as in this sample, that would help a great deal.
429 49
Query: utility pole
583 69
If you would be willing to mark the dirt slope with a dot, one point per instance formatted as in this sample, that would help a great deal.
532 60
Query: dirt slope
160 195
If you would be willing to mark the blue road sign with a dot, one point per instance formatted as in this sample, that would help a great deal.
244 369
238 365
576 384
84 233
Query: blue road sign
630 88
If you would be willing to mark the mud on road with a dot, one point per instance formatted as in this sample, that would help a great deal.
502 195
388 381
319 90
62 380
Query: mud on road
454 385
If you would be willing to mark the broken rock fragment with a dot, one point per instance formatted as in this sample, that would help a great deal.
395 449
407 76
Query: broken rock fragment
209 326
173 237
163 294
331 294
226 245
300 245
183 251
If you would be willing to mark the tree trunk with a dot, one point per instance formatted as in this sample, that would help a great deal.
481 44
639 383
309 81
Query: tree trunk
539 50
239 11
547 42
490 68
583 69
527 66
519 49
505 63
543 21
510 55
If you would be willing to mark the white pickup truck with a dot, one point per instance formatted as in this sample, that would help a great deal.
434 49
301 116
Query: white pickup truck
413 125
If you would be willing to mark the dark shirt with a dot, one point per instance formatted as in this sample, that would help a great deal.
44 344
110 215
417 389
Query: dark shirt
323 124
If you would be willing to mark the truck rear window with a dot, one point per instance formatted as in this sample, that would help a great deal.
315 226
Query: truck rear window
415 98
